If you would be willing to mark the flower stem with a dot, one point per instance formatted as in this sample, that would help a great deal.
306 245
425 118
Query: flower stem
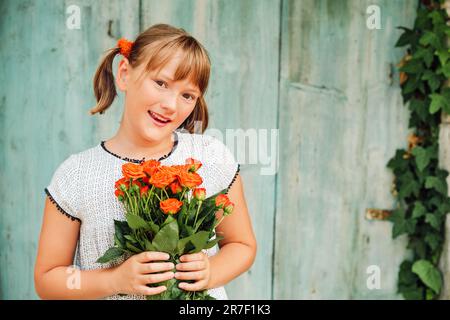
198 209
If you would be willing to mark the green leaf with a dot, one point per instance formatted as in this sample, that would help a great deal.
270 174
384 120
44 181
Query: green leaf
437 102
426 54
110 254
133 248
213 242
167 238
428 274
433 240
436 17
413 66
136 222
406 38
407 185
439 184
443 55
430 38
433 220
149 246
419 210
422 157
401 224
433 79
199 240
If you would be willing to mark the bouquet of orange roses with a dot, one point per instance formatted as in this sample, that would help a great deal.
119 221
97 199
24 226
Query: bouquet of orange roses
166 211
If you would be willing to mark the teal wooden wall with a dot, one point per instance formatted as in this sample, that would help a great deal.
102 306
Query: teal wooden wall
310 68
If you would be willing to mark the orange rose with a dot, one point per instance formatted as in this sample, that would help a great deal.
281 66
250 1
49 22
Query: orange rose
170 206
190 179
134 171
222 200
175 187
150 167
124 181
119 193
144 191
193 164
163 177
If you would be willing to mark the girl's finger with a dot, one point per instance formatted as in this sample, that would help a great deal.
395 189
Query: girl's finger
156 267
152 256
144 290
192 257
196 286
157 277
197 275
191 266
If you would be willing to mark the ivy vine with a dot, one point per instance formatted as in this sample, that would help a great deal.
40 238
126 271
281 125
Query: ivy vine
420 186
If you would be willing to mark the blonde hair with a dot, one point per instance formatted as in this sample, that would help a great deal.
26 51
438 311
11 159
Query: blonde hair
157 45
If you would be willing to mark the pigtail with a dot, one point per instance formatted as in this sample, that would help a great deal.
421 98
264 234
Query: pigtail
104 87
198 119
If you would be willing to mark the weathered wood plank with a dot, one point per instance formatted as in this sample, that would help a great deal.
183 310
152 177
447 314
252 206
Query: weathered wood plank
342 117
45 98
242 38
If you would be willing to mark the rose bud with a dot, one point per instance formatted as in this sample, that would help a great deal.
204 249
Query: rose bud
229 206
200 194
221 200
193 164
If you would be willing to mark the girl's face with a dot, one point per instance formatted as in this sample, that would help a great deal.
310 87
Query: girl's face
155 105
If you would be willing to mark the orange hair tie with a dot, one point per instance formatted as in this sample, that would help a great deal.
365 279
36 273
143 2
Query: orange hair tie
125 47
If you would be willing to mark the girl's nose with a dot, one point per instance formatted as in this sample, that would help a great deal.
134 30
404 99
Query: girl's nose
169 103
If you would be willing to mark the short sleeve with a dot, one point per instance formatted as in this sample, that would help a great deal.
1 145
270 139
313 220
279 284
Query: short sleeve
223 163
63 191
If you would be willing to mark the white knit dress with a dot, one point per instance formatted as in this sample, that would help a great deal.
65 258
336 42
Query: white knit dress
82 188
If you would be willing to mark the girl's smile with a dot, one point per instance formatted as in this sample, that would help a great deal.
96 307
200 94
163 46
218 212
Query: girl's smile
157 119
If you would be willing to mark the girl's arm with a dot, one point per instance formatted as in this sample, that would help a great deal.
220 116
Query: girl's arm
238 248
54 278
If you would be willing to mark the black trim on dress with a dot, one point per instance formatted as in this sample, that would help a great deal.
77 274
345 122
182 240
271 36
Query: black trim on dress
59 208
175 144
234 178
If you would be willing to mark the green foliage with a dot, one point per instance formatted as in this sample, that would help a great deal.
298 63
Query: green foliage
420 186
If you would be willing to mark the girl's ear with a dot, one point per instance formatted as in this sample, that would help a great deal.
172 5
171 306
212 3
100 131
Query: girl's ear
123 74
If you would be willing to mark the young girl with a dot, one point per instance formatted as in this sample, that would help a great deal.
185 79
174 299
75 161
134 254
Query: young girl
164 74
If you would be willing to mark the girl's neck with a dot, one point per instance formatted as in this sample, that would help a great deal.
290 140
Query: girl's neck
130 146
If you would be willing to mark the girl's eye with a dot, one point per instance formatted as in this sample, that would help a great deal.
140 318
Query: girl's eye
187 96
159 81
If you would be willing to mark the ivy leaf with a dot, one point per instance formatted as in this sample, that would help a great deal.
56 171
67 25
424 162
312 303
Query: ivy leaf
413 66
422 157
397 163
426 54
433 220
436 17
407 185
446 70
430 38
436 183
437 102
420 107
429 274
443 55
433 240
419 210
401 224
433 80
406 38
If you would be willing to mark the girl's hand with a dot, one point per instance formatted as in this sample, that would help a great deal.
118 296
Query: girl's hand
193 267
133 274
